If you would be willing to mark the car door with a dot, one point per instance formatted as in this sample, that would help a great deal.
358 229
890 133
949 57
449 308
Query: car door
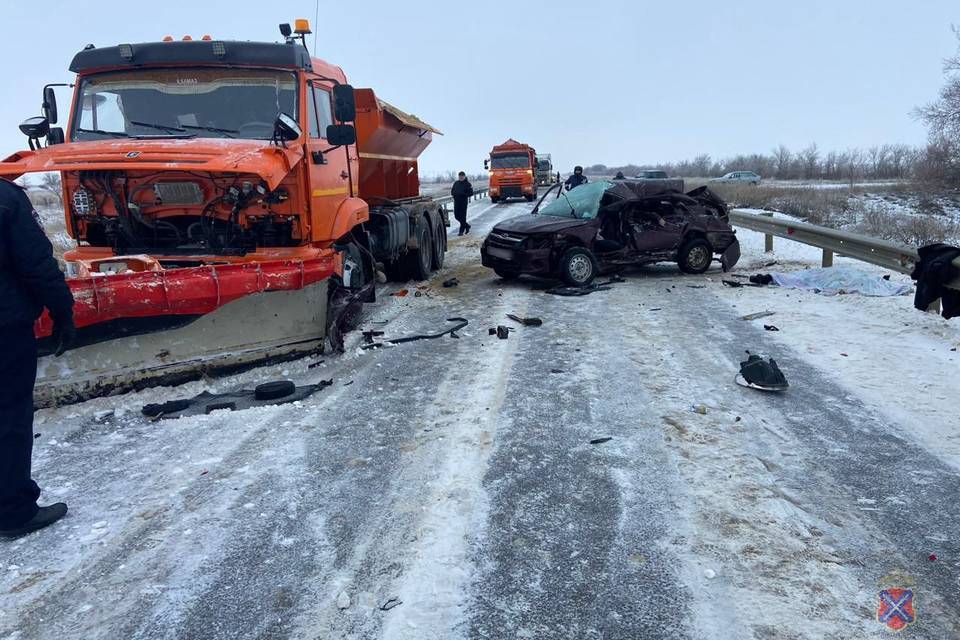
655 230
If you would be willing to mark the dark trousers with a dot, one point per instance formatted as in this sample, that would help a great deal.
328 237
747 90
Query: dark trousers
460 212
18 373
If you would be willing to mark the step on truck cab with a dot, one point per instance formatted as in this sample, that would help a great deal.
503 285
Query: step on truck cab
221 195
512 166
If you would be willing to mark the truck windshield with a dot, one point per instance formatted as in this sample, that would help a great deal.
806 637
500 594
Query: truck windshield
203 103
510 161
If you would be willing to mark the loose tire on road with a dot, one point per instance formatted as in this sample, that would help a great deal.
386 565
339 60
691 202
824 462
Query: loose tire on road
695 256
578 267
421 259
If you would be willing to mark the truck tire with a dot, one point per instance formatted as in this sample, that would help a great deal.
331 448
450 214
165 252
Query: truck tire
695 256
578 267
420 262
530 198
439 245
494 199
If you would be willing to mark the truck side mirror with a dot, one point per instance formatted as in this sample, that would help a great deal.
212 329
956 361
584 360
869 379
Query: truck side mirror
340 135
55 136
285 128
344 103
49 106
486 165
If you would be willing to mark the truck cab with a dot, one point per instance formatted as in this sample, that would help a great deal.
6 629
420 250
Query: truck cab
512 166
545 174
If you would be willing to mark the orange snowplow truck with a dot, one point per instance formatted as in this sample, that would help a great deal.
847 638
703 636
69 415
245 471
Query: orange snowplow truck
512 166
228 201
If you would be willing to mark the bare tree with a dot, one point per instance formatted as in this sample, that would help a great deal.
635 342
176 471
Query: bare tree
942 118
782 157
50 182
809 161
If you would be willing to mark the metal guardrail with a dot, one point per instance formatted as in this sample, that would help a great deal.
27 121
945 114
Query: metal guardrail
883 253
478 194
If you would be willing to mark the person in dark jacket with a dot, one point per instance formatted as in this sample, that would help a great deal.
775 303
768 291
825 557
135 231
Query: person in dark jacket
29 281
619 176
576 179
461 192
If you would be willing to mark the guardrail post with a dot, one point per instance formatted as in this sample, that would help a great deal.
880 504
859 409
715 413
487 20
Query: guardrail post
827 258
768 239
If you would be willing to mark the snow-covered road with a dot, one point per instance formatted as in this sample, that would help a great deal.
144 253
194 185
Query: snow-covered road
456 477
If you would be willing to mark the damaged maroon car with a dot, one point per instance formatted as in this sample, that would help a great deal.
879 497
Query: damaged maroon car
603 226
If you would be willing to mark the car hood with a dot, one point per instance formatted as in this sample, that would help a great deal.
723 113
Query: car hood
530 224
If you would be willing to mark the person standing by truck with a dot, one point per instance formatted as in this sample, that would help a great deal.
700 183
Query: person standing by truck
461 192
29 281
576 179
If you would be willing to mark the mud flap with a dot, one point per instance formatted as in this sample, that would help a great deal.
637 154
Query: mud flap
730 257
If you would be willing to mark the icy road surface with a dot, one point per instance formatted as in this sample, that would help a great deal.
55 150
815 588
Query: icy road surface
448 488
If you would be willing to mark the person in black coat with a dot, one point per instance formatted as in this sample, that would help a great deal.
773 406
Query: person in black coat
30 280
576 179
461 192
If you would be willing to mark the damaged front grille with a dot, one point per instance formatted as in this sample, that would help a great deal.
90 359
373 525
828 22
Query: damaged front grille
505 240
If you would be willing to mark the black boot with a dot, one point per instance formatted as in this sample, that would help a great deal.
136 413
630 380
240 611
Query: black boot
468 229
45 516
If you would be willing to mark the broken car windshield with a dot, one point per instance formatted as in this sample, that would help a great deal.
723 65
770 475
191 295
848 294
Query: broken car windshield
582 202
210 103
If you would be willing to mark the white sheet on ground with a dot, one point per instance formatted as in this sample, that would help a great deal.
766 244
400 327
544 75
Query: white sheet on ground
840 279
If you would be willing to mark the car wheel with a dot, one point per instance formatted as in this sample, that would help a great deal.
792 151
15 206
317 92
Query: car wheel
695 256
578 267
421 259
506 275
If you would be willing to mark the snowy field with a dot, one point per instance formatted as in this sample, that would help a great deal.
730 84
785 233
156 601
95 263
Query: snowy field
448 489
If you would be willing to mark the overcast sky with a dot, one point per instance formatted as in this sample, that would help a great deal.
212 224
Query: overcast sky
591 81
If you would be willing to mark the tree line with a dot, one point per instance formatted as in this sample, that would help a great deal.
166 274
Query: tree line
888 161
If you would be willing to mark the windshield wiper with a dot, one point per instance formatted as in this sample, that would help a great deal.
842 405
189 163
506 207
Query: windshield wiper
161 127
227 132
102 132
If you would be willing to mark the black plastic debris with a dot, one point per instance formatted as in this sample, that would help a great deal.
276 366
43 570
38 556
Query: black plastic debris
368 336
461 323
557 371
762 279
527 322
316 364
601 440
271 393
500 331
771 327
765 375
390 604
452 282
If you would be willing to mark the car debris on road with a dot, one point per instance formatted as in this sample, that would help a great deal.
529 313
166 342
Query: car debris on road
460 324
266 394
764 375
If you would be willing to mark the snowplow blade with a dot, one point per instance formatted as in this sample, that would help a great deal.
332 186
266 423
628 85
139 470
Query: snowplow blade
260 328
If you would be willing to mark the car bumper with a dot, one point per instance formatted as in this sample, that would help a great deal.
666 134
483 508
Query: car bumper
529 261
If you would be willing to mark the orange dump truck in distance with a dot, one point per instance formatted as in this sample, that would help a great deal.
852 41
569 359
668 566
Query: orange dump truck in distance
512 166
225 198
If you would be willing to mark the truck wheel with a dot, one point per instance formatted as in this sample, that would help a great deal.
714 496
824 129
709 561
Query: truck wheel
530 198
578 267
695 256
494 199
421 260
439 246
